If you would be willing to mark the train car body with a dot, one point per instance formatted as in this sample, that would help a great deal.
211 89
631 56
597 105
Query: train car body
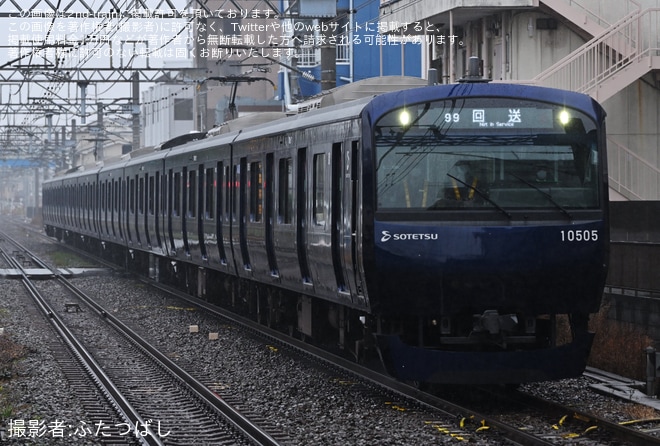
444 227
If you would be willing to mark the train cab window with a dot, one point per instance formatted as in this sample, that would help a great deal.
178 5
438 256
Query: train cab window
209 198
176 193
285 192
319 204
192 193
486 153
256 192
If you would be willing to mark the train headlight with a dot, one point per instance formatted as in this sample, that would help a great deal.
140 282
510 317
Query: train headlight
564 117
404 118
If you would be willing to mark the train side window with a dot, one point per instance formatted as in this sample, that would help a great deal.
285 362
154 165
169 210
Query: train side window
285 193
319 207
151 195
209 198
256 192
192 193
176 207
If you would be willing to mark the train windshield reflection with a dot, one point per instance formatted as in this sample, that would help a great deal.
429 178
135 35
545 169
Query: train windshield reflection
447 155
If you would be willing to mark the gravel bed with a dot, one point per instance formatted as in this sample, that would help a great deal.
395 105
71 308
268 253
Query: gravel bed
34 394
311 407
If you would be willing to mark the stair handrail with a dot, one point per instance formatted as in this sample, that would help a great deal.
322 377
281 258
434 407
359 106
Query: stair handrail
599 58
577 4
630 174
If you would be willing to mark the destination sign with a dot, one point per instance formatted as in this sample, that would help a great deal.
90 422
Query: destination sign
493 118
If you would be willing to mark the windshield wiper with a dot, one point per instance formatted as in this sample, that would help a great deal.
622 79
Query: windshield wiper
545 194
482 195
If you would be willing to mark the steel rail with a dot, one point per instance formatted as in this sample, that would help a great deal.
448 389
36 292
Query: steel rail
241 423
370 376
104 383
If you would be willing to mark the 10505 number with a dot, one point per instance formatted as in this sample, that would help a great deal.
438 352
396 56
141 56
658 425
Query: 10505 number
579 235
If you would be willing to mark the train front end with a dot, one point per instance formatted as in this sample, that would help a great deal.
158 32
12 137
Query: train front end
485 213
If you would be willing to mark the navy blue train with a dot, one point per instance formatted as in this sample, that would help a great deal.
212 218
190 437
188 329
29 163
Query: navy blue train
448 230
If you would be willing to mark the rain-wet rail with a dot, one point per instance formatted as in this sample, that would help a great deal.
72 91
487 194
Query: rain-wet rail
154 400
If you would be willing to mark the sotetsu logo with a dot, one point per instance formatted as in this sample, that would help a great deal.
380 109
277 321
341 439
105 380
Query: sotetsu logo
387 236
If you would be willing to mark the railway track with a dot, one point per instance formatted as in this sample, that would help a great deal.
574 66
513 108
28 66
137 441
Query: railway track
528 424
154 401
553 422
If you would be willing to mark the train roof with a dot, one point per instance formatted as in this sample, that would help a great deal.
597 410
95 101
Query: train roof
347 102
382 104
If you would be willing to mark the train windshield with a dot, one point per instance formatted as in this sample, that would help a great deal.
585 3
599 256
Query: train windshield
486 153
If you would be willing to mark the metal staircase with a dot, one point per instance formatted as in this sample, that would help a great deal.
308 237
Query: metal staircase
619 54
581 16
611 61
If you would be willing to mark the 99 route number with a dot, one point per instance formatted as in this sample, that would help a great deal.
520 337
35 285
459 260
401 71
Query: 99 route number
579 235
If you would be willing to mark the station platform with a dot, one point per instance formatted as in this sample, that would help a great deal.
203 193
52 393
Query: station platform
42 273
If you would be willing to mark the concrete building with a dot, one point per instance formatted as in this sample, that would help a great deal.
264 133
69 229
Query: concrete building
166 111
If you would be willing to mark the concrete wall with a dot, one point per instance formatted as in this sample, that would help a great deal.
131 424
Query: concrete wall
635 247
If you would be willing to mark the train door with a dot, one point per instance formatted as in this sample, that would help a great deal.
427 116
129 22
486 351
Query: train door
301 217
319 246
84 206
255 219
224 205
105 199
92 206
269 214
176 209
170 211
218 186
147 208
239 217
205 205
192 195
116 208
96 210
187 206
77 210
284 240
66 203
138 206
73 190
350 232
126 204
339 175
164 217
89 206
114 200
157 215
